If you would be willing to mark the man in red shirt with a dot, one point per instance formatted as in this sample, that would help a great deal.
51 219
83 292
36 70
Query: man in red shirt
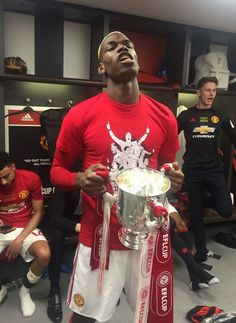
21 208
117 128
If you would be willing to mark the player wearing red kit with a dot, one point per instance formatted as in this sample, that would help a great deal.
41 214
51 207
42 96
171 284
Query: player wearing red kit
21 206
120 129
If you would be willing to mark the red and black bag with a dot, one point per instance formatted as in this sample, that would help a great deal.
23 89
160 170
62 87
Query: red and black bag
199 313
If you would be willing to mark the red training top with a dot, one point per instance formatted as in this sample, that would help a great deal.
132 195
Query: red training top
16 199
117 135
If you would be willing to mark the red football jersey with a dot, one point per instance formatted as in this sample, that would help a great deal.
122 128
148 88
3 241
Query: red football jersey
15 200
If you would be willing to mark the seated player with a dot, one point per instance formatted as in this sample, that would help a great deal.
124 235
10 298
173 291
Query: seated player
21 208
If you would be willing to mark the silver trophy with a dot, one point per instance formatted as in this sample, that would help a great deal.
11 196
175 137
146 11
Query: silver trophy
140 204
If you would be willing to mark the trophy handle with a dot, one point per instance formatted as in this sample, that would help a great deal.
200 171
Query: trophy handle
160 214
166 168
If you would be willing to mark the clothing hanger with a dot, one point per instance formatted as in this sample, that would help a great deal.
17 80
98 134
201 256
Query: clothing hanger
26 109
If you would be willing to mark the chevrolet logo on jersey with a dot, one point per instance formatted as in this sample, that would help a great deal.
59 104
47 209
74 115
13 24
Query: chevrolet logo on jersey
204 129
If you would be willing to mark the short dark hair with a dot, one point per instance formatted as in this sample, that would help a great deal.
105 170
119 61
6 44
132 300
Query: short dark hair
5 160
205 80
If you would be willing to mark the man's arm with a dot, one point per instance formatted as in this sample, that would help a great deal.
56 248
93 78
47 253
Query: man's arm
168 155
176 177
144 136
180 121
117 140
88 180
61 174
15 246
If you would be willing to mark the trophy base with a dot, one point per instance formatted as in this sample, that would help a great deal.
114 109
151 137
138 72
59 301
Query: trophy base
131 240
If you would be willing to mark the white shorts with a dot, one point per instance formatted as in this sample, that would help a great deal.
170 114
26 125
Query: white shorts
35 235
83 297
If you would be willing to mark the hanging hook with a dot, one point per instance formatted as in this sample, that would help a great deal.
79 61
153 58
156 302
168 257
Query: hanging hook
28 107
69 103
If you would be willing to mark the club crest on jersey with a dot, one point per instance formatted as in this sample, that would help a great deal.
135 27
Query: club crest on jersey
215 119
79 300
23 194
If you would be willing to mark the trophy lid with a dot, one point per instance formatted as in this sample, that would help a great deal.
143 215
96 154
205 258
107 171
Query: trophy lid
142 182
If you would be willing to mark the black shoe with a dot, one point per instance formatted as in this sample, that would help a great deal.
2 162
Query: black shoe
54 309
227 239
206 266
118 303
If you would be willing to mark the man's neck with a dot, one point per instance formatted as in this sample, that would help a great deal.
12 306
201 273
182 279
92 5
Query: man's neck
127 93
202 106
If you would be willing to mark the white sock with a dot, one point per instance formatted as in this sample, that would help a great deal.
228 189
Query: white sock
214 280
32 278
3 293
27 305
210 253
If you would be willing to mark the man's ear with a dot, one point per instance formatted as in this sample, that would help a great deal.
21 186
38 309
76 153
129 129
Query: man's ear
101 69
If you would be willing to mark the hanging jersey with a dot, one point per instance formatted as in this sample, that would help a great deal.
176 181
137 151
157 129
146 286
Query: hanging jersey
51 121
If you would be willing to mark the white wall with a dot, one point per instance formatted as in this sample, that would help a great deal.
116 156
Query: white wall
20 41
77 40
19 38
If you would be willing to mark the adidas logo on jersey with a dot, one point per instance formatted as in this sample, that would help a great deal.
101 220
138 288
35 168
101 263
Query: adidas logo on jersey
27 117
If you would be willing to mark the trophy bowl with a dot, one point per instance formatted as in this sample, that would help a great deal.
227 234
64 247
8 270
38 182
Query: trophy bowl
136 187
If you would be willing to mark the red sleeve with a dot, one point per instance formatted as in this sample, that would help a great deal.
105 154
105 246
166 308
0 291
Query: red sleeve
61 176
36 189
71 133
68 149
171 145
